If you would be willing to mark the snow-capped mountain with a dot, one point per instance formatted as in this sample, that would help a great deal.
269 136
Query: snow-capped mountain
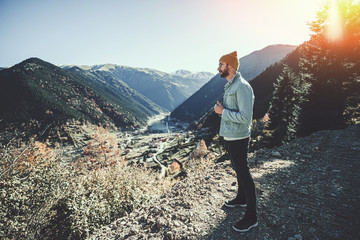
206 76
182 73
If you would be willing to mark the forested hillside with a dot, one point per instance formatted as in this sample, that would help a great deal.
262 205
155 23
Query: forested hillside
35 90
120 89
166 90
256 62
323 91
263 84
251 65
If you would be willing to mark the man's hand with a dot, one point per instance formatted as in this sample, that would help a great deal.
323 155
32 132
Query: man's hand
218 108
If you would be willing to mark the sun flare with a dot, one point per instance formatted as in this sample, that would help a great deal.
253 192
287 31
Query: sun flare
335 28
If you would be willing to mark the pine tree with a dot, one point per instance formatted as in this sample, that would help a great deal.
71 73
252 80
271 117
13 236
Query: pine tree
332 68
286 106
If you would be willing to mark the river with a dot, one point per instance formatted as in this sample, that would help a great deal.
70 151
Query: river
161 123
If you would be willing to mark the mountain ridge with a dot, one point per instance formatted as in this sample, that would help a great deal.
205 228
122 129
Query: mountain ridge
164 89
195 75
254 63
201 102
35 89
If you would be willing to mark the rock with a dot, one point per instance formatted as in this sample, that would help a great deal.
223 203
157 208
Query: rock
298 237
132 233
161 222
177 223
170 235
275 154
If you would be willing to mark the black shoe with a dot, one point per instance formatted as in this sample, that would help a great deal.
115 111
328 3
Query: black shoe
235 203
245 224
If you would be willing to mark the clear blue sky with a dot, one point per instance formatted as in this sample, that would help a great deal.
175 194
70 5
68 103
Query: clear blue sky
166 35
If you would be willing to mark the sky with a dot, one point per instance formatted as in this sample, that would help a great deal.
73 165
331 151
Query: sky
166 35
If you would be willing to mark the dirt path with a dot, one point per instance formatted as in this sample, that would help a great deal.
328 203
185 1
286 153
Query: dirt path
311 192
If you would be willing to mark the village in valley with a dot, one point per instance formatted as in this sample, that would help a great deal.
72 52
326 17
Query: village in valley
165 145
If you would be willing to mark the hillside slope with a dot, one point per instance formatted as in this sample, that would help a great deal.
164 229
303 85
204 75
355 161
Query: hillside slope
263 84
166 90
253 64
310 192
123 92
37 90
200 102
204 99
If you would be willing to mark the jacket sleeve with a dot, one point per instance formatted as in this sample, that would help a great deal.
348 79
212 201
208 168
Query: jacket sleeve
245 102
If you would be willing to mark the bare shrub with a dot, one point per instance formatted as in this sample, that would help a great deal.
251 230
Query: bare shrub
42 196
105 188
29 190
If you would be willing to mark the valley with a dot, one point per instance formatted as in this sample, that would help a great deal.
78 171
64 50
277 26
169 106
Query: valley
162 142
151 145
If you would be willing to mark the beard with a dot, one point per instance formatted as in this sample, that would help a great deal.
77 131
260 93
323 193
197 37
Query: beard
224 73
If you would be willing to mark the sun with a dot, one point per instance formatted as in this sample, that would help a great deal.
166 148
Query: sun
335 26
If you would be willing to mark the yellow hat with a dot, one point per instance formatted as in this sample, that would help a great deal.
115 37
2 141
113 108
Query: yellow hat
231 59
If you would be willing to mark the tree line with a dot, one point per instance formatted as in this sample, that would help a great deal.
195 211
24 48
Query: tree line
325 93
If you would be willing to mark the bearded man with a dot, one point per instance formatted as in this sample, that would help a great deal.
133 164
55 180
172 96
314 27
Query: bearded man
235 127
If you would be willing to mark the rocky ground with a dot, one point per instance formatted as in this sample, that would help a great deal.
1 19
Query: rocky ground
307 189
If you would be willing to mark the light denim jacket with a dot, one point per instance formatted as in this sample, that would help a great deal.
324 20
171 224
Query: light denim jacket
238 103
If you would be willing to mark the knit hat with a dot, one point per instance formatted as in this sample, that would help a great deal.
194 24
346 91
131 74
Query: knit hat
231 59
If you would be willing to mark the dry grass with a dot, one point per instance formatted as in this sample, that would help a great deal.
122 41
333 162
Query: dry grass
42 197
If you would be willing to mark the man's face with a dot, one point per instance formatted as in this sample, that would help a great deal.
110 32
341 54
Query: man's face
223 69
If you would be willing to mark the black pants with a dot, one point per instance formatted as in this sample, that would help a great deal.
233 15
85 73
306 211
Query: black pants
246 188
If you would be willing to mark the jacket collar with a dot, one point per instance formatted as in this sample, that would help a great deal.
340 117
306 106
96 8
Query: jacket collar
232 80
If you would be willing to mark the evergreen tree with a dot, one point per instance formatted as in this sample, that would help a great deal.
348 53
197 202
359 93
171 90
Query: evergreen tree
286 106
331 65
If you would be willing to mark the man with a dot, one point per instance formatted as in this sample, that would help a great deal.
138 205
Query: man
235 126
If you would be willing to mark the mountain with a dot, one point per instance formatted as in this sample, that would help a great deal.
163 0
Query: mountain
203 76
166 90
263 84
182 73
205 98
199 103
117 85
253 64
37 90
